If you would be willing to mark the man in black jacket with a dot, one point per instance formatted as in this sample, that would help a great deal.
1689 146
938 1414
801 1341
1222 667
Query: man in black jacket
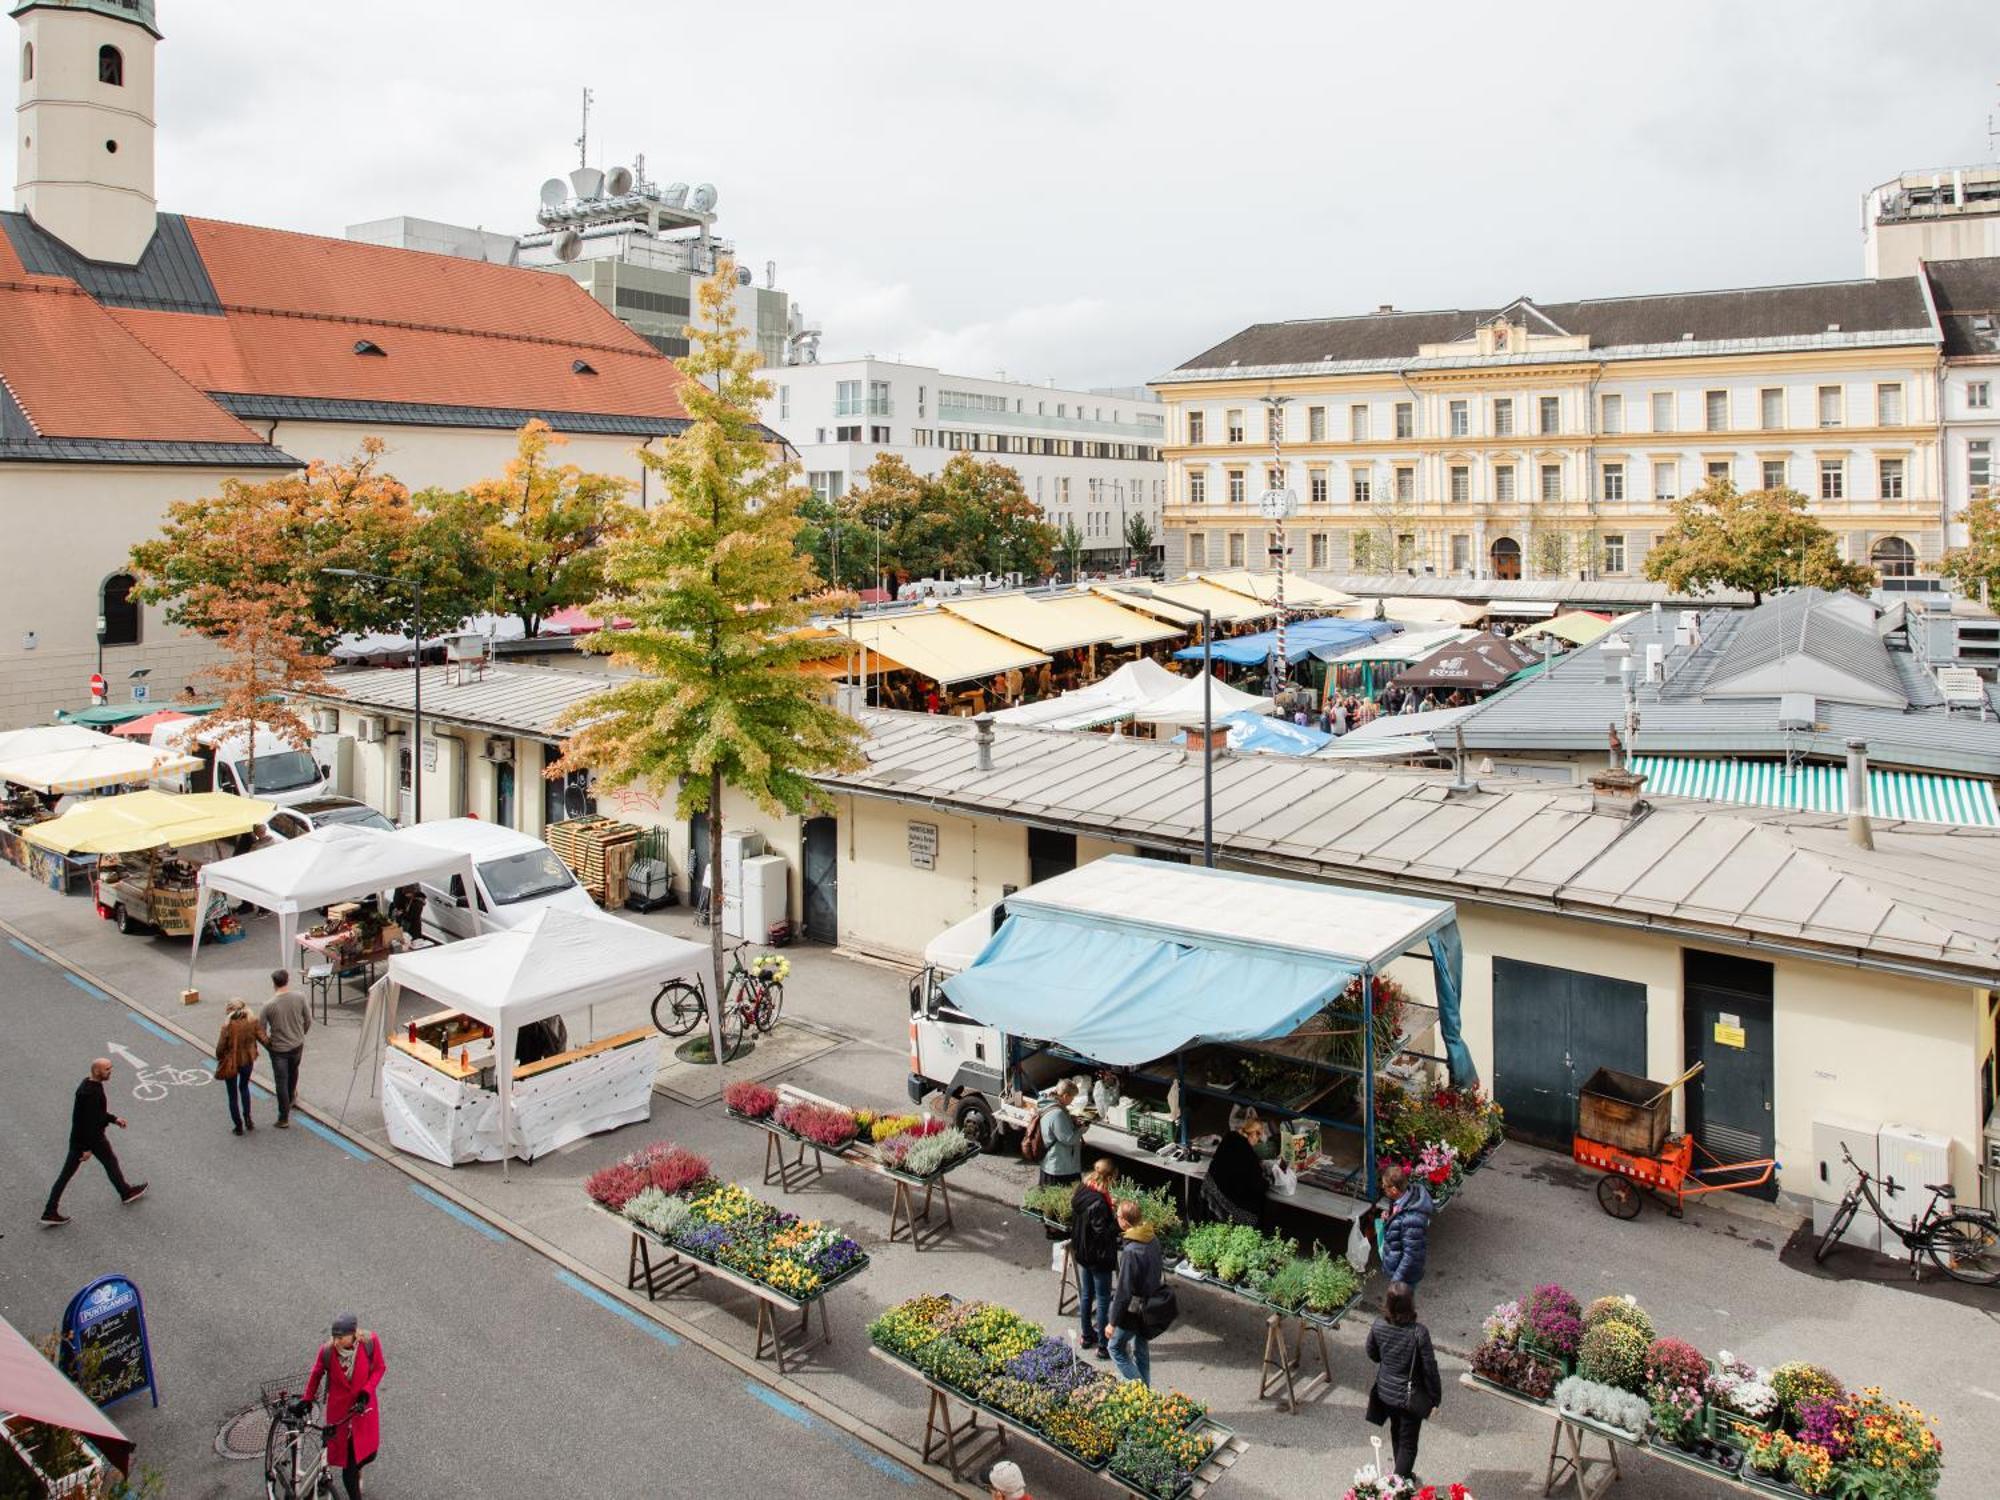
89 1121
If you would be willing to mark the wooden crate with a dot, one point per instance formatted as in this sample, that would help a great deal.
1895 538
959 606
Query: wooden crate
599 852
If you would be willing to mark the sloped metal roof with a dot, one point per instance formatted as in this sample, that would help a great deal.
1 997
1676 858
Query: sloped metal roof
507 700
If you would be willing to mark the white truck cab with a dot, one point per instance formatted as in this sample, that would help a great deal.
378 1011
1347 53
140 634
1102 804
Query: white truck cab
950 1052
279 772
514 876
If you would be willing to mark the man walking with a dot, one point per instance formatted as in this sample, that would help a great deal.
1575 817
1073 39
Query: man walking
287 1018
90 1118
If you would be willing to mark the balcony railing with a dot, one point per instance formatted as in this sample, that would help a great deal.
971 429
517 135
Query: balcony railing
878 406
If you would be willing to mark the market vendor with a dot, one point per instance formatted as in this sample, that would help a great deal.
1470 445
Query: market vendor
408 908
540 1039
1235 1189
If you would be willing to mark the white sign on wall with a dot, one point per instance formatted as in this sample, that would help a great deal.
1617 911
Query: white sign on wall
924 845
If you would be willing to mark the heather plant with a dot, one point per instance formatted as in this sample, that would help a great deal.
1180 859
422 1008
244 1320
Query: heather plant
750 1098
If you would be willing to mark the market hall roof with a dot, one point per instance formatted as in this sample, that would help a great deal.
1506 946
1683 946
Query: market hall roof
219 322
506 700
1922 897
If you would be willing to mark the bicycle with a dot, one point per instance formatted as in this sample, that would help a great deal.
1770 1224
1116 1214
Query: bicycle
295 1466
1964 1242
752 997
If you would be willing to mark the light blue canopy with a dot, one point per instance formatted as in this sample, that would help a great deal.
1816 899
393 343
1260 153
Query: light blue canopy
1123 998
1271 736
1301 637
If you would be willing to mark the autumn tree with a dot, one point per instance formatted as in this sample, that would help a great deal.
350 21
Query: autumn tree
973 518
260 625
1139 536
717 590
1755 540
896 526
543 526
992 525
1975 567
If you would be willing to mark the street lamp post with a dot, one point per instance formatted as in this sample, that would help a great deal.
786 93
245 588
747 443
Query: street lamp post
416 588
1207 732
1278 502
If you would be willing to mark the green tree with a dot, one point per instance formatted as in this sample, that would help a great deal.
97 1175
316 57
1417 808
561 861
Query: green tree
717 588
1975 567
1755 541
992 525
1070 540
1139 536
895 527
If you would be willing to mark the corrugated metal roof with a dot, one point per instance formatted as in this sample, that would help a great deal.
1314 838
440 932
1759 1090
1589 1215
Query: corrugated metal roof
1923 895
1595 593
506 700
1807 642
1959 801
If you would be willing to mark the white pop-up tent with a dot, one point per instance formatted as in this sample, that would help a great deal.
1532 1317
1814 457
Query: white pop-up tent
1116 697
1183 706
337 863
561 961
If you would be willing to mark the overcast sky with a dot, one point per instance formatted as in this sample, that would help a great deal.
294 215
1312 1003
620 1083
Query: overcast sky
1096 191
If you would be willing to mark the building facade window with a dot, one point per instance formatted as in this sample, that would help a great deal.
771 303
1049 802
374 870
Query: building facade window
1979 464
1197 487
1771 408
1979 394
1775 477
1361 486
1459 415
1357 424
1315 424
1503 484
853 434
881 435
27 62
1829 406
1551 419
1195 434
847 398
1614 552
1613 481
1666 480
1461 552
878 399
1889 471
1236 487
1503 417
1833 479
1406 419
784 401
1318 552
1716 470
117 611
111 66
1406 485
1889 405
1234 421
1316 486
1715 410
1552 482
1663 411
1274 479
1461 484
1235 549
1611 412
1893 557
1197 550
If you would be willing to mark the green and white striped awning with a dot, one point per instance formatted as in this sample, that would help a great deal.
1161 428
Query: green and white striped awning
1961 801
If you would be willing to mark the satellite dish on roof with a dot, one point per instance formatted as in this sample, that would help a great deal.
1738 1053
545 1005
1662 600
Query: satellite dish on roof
618 182
703 199
587 181
743 276
568 245
555 193
676 195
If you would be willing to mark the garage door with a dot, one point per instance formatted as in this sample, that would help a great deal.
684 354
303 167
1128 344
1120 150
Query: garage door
1553 1028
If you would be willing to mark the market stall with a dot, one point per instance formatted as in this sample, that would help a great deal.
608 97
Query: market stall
1478 664
146 848
453 1089
61 758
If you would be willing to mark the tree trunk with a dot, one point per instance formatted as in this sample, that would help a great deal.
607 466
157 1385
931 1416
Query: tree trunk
715 943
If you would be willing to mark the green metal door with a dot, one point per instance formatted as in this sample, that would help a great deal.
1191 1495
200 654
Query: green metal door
1728 1020
1553 1028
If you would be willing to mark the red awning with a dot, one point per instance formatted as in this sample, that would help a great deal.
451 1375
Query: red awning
32 1387
142 728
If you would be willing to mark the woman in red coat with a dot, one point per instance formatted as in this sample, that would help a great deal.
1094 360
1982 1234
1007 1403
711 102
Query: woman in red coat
351 1364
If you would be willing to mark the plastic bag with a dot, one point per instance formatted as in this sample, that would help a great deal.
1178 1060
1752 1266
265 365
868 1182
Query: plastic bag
1358 1248
1284 1181
1056 1253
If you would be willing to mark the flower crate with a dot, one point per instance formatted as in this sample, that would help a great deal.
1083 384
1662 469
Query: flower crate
85 1479
1723 1422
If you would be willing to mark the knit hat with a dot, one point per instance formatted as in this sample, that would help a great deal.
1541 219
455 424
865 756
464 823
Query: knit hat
1006 1478
346 1323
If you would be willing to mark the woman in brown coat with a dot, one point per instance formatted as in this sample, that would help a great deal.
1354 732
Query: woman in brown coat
235 1056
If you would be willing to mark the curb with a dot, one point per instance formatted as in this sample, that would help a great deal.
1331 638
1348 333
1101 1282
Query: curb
814 1404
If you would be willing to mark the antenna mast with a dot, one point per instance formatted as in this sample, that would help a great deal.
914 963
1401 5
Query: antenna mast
583 141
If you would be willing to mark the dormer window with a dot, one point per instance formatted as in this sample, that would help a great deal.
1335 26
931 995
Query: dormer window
111 66
582 367
369 346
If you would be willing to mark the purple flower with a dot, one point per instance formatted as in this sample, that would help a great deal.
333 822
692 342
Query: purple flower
840 1256
1053 1366
704 1242
1822 1422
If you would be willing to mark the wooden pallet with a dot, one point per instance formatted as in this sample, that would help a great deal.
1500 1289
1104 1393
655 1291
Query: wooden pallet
599 852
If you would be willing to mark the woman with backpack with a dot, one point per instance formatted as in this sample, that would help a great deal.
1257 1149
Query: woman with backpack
1135 1319
1056 1138
1407 1388
1093 1249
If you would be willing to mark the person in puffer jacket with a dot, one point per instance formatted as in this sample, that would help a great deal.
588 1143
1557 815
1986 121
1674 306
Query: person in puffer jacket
1406 1226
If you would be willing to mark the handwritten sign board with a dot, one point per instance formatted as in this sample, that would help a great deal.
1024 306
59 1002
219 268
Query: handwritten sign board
105 1326
924 845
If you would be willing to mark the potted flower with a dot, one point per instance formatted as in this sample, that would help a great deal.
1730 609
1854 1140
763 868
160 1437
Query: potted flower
825 1126
1552 1325
1740 1400
1516 1367
749 1099
1617 1411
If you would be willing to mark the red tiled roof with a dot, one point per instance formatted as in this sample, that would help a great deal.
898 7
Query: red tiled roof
76 372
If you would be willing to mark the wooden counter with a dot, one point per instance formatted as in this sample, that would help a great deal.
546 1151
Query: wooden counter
577 1054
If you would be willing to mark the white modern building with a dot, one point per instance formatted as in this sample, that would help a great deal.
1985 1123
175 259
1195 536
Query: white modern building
1092 458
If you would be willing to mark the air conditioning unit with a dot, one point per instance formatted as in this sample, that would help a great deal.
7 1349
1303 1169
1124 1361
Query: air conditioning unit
498 750
326 721
368 730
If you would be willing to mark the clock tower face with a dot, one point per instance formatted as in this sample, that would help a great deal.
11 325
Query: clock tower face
1278 505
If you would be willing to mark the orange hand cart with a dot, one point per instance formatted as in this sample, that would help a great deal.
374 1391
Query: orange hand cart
1622 1131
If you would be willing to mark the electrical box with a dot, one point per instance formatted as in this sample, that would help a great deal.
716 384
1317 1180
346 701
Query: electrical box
1832 1176
1912 1158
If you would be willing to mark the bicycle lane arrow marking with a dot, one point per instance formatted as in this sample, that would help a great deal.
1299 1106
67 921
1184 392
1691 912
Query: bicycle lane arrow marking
119 1051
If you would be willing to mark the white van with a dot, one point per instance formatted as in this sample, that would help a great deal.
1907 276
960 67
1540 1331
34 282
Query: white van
281 773
515 875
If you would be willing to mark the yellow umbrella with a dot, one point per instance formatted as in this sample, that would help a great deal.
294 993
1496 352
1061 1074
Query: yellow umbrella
148 820
1579 629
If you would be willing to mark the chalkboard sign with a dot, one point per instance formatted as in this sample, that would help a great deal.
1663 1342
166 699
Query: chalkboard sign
105 1324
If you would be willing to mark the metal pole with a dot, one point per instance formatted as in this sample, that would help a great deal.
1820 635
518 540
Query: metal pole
417 707
1207 743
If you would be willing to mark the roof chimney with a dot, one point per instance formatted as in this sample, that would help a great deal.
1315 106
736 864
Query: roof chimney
1616 653
1385 307
982 742
1860 832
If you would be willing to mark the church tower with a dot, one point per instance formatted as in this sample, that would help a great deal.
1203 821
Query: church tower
84 129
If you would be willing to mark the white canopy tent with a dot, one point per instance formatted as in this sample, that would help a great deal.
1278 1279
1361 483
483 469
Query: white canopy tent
561 961
336 863
57 758
1183 706
1119 696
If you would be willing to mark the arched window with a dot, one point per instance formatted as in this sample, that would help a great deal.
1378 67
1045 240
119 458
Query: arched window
111 66
119 611
1893 557
1505 557
27 62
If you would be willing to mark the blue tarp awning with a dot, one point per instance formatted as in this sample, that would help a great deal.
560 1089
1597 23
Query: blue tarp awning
1270 736
1124 998
1301 637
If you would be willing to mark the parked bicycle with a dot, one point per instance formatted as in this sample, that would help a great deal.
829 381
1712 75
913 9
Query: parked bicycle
753 996
295 1466
1964 1243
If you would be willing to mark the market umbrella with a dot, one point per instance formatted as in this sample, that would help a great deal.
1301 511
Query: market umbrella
142 728
1478 665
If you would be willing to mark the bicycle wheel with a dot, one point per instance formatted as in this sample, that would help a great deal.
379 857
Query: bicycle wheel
732 1030
1966 1248
770 1001
294 1456
679 1007
1836 1227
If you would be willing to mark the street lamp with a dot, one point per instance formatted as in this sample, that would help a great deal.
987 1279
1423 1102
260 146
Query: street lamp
1207 731
416 588
1277 503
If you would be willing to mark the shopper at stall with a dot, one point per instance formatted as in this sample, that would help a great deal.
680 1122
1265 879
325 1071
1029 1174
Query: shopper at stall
1062 1141
235 1056
1093 1247
1235 1189
351 1365
1139 1264
287 1019
1404 1233
1406 1388
90 1119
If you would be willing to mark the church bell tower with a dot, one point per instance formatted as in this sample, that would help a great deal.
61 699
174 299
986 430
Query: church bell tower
84 128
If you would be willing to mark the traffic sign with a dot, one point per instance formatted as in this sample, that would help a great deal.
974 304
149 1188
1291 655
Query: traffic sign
96 687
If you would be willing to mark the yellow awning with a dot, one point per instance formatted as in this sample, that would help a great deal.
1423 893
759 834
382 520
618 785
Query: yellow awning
939 646
1192 596
1579 629
1432 611
1300 593
90 767
148 820
1061 623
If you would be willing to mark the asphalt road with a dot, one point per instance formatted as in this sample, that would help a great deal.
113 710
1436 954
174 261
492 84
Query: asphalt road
507 1376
